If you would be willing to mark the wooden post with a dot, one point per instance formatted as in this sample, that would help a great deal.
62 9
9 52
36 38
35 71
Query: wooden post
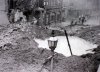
52 61
68 42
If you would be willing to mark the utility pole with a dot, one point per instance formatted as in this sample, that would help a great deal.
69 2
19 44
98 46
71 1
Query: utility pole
68 42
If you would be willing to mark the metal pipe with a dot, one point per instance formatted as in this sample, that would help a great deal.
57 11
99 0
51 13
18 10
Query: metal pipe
68 42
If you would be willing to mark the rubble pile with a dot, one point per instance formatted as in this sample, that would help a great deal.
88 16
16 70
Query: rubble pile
20 53
91 34
32 60
21 34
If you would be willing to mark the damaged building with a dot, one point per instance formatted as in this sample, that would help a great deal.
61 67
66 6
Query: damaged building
45 11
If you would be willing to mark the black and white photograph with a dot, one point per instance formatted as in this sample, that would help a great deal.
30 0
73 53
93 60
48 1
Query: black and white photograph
49 35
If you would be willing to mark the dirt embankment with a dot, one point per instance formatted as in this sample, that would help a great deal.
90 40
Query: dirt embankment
91 34
19 52
31 60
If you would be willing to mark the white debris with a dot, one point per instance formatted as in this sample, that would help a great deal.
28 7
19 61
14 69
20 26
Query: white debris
98 69
53 39
79 46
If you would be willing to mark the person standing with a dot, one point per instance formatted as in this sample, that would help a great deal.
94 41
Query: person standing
82 19
19 16
11 16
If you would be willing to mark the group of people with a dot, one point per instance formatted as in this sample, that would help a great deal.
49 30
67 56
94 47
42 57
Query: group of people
80 20
17 15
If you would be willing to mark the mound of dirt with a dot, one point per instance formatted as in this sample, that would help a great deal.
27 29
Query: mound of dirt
91 34
19 52
22 34
32 59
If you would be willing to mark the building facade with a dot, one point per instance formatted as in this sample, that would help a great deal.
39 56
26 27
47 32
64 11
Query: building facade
54 10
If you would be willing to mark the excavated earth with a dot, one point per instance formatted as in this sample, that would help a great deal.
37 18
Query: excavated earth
20 53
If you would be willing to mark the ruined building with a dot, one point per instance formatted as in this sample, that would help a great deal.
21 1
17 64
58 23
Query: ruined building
48 11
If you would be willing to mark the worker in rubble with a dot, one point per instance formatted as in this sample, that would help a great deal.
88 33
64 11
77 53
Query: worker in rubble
80 19
72 22
19 16
11 16
83 19
34 20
